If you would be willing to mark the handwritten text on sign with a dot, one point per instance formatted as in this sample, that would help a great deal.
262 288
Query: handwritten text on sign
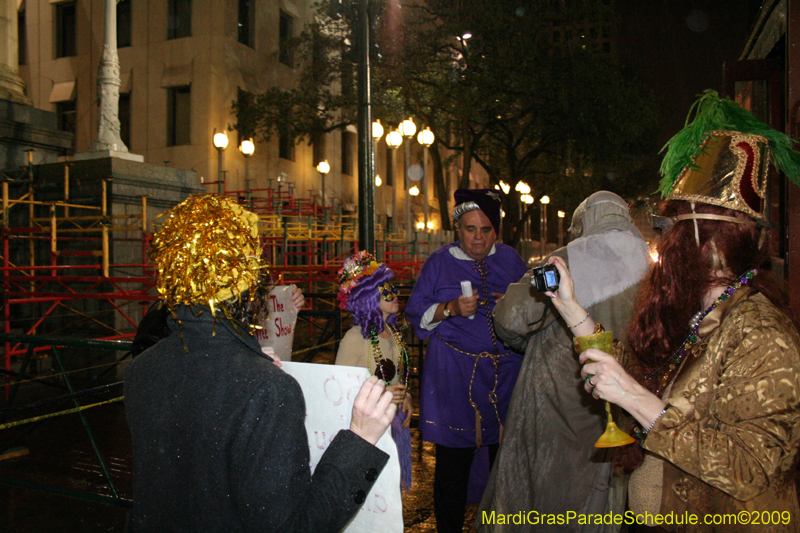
329 392
278 330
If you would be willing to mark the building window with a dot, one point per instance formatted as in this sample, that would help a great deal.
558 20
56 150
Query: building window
179 19
123 23
285 33
22 38
65 29
348 143
65 115
179 114
247 22
285 146
125 118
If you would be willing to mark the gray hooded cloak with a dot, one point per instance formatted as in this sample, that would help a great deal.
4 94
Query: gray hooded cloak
547 463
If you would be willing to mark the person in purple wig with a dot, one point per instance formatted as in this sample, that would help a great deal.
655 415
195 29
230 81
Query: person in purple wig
375 341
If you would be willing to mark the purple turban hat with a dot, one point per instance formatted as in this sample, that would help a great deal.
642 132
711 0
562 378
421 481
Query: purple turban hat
487 200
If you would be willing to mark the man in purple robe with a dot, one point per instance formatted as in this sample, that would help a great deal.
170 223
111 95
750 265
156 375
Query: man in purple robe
468 374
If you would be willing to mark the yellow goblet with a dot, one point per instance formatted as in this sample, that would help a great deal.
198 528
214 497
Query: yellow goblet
613 436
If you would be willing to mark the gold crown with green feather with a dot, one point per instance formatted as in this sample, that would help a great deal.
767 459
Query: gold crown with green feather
721 157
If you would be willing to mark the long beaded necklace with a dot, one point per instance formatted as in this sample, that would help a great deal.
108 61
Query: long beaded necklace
675 361
385 368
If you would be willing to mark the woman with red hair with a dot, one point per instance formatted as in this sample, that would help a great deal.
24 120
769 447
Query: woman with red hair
713 377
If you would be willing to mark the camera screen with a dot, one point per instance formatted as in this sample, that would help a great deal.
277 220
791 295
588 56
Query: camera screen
550 278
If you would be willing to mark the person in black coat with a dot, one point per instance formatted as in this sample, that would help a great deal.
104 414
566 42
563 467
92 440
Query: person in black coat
219 441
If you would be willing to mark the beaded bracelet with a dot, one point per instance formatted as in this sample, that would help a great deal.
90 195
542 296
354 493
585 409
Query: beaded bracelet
647 431
582 321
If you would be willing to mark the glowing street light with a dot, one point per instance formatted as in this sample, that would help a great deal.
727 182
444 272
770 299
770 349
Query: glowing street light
377 130
220 140
524 191
544 200
393 140
425 138
522 187
407 129
377 133
220 143
247 148
323 167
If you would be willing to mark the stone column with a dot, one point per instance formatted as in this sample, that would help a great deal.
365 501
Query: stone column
11 85
108 83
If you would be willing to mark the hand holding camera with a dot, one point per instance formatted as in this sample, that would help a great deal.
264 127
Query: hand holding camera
546 278
563 295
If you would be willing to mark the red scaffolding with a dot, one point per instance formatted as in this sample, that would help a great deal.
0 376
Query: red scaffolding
305 243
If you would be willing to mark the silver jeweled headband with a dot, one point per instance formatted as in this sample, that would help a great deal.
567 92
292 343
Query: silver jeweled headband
462 209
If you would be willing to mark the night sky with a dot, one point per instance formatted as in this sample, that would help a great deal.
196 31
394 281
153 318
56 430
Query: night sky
678 47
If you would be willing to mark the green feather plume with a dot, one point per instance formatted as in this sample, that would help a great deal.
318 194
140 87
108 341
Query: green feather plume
711 112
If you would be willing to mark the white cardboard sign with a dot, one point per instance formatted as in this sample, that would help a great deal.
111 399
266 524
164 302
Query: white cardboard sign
278 330
329 391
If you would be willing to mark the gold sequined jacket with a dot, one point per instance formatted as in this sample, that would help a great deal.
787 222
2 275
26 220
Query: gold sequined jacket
729 446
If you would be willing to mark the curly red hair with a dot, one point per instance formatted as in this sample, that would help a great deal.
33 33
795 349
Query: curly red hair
673 290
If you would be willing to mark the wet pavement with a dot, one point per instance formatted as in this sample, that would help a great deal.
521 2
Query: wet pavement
61 456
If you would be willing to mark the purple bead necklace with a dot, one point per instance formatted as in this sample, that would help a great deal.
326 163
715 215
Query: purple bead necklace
680 354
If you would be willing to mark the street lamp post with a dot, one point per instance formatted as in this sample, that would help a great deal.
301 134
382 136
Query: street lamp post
528 201
377 133
407 129
393 140
247 148
561 216
413 192
220 143
425 138
544 200
323 168
524 190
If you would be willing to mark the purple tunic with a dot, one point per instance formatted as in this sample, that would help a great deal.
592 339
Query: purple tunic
446 415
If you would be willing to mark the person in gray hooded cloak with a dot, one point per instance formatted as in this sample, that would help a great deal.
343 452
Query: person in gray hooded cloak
547 462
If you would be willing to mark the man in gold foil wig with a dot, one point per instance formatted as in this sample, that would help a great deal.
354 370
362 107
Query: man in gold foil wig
219 442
